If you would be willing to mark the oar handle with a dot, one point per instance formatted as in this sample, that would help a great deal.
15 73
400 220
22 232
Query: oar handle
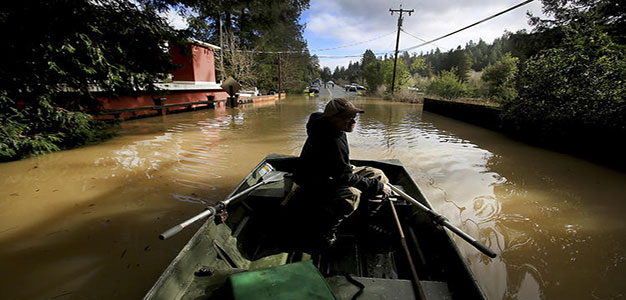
170 232
444 222
273 176
210 211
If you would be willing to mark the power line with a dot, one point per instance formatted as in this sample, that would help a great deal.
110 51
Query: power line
391 51
350 45
444 36
421 39
466 27
314 50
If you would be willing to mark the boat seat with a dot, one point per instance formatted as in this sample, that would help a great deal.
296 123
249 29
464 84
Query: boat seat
381 289
277 189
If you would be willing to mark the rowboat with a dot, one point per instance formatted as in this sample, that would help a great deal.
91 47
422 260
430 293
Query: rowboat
267 247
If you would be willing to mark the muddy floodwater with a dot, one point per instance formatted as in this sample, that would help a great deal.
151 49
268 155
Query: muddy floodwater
83 223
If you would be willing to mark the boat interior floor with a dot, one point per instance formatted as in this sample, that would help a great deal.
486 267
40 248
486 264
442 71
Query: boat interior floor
368 251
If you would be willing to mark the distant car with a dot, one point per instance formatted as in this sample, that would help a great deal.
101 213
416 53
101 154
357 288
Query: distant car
314 89
250 92
360 87
352 88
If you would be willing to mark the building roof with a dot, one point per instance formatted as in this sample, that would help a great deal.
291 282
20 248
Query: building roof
205 44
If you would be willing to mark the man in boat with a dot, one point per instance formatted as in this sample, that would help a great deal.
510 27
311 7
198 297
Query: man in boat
325 171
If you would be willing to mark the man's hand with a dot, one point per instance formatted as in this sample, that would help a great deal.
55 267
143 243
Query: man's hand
386 190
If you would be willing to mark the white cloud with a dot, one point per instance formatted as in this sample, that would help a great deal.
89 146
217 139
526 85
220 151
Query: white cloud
174 19
351 21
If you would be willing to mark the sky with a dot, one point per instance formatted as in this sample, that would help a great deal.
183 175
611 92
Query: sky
336 23
368 24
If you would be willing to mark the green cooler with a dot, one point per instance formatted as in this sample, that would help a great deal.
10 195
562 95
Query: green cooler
300 280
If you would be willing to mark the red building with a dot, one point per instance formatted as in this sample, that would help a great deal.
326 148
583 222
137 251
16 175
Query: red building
193 85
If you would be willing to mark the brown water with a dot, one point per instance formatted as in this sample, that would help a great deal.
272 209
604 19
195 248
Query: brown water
83 223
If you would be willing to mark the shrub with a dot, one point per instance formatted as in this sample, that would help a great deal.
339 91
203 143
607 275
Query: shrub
572 91
43 128
500 78
447 85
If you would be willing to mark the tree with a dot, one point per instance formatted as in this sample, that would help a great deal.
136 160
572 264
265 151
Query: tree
501 77
52 47
373 74
575 89
608 15
239 63
254 25
460 61
419 66
326 74
403 76
368 58
447 85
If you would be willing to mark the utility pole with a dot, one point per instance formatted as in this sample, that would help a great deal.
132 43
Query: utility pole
221 51
280 83
395 60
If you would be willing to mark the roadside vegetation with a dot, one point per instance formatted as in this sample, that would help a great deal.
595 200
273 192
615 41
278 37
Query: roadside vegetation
563 79
58 55
559 84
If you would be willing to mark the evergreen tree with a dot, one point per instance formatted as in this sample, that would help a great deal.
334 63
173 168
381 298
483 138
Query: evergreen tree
51 47
326 74
373 72
368 57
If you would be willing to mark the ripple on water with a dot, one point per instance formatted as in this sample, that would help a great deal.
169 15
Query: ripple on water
190 153
200 155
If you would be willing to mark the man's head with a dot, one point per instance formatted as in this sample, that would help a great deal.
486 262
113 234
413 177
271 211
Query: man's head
342 113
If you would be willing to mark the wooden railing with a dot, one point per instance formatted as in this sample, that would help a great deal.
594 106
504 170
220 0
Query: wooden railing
160 107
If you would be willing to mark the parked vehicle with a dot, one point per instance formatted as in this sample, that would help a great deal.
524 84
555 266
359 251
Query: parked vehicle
248 93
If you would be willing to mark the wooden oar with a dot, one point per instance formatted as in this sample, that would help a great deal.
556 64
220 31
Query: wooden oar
416 279
444 222
270 177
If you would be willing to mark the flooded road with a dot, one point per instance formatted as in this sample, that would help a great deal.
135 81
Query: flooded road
83 223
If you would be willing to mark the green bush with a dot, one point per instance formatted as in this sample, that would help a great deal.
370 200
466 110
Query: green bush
113 45
500 78
44 128
403 76
447 85
573 91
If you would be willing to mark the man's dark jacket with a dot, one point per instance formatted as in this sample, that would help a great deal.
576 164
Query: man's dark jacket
325 160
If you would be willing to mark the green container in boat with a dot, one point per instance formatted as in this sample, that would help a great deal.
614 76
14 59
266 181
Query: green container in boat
300 280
